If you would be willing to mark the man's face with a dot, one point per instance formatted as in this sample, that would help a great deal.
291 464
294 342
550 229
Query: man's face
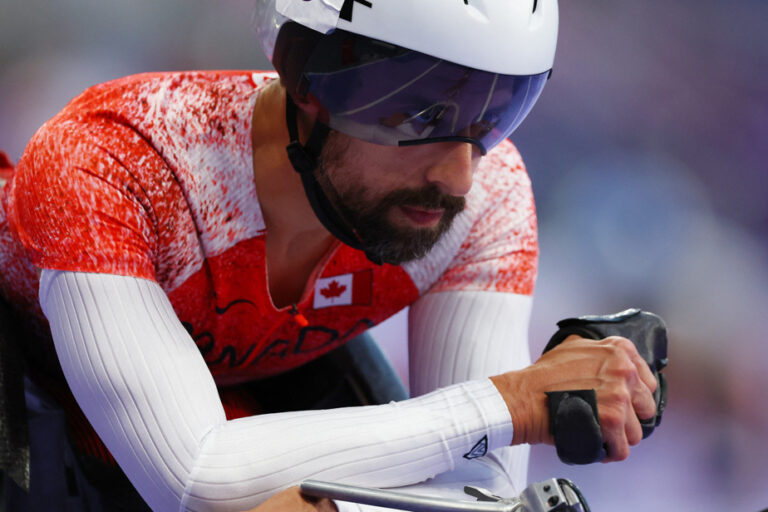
399 200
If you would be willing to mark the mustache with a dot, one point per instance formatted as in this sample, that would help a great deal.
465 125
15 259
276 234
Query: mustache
428 198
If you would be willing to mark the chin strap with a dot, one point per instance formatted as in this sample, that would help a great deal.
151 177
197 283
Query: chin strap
304 160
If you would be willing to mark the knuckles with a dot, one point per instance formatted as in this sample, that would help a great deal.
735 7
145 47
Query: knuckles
611 419
625 369
624 343
620 356
621 345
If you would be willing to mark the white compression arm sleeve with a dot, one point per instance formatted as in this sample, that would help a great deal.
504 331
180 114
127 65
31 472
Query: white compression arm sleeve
457 336
144 386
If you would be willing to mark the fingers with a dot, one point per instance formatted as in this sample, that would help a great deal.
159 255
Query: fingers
633 431
643 403
620 427
639 380
620 424
617 447
643 370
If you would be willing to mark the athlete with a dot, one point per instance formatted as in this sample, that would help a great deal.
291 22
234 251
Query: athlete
171 240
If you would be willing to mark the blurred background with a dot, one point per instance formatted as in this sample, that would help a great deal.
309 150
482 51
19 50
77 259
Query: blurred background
647 153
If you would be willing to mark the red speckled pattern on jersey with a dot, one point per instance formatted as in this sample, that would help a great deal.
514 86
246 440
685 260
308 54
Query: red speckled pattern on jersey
158 164
500 253
237 348
151 176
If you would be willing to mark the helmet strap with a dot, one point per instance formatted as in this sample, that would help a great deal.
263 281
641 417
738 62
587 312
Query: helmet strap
304 159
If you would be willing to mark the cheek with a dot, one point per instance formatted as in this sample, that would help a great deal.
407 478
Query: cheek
362 182
366 173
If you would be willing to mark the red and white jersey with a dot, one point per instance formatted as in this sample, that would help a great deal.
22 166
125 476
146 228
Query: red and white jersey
151 176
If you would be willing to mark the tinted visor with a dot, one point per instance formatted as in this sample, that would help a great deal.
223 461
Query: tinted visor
390 95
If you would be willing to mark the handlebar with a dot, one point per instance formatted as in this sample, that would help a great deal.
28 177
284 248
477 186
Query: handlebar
553 495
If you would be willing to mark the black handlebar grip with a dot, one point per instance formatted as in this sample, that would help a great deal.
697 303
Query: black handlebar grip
574 423
576 442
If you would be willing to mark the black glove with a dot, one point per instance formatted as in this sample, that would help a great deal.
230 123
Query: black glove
573 419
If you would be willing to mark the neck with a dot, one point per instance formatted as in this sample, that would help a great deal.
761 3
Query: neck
287 213
296 241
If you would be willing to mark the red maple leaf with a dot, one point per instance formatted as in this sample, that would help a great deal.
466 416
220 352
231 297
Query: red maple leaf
333 290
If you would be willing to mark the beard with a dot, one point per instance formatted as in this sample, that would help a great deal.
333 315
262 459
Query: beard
368 216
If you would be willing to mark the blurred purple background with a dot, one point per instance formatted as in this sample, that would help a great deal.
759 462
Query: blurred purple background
647 153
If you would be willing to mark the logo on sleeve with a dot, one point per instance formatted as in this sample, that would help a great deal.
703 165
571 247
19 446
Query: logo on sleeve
480 449
344 290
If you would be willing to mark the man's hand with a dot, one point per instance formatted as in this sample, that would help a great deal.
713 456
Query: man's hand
612 367
291 500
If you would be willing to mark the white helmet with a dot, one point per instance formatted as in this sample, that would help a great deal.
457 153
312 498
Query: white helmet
402 72
511 37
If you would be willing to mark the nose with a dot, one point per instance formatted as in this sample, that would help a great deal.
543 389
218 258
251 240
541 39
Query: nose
453 165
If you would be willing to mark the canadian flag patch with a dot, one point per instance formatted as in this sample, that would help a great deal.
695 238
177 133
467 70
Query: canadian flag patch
344 290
